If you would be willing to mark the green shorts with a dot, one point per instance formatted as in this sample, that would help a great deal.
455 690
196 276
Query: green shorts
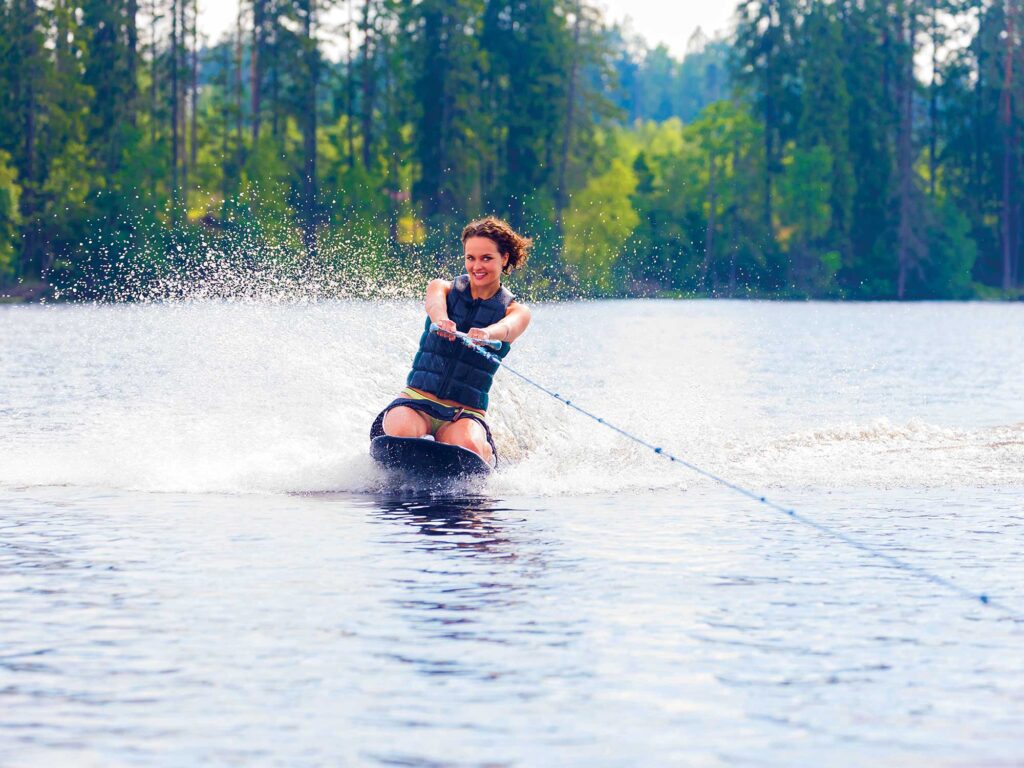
436 423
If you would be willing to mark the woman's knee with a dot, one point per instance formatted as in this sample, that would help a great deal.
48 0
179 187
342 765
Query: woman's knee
405 422
468 434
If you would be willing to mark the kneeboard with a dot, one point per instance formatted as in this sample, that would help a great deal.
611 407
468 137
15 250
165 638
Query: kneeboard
428 459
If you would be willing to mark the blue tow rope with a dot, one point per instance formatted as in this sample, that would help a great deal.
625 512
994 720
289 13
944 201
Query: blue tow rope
792 514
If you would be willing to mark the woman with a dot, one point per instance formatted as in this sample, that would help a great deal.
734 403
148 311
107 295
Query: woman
447 390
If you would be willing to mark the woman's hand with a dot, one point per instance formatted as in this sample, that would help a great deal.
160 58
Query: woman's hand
446 329
497 332
483 334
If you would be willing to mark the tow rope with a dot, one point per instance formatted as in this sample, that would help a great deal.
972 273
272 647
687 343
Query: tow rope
792 514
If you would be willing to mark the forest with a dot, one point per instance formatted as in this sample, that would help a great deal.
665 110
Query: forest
833 149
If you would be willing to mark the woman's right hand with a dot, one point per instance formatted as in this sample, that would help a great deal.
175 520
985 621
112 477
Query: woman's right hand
446 329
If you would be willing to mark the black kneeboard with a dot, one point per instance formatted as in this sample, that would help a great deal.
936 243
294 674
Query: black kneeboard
425 459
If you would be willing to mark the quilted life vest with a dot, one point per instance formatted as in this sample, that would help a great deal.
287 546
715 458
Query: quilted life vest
450 370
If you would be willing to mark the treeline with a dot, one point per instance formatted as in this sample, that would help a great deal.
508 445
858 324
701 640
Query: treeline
889 136
856 148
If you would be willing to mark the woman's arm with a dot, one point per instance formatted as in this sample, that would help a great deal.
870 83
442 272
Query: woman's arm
436 304
509 328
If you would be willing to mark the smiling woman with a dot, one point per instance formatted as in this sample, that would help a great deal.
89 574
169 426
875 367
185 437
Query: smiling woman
446 392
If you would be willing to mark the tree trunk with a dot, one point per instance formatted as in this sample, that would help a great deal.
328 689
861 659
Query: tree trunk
31 258
905 241
709 231
733 224
154 73
309 127
225 190
368 86
182 98
445 203
979 108
154 79
432 84
239 118
350 88
256 65
933 102
1006 114
272 61
561 193
769 143
174 112
194 144
131 23
392 183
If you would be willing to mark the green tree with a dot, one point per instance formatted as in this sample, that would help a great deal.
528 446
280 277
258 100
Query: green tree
528 48
10 219
447 113
951 256
806 215
732 239
599 223
702 77
866 271
663 253
825 121
110 72
766 66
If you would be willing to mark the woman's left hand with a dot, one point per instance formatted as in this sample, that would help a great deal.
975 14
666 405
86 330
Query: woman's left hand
479 333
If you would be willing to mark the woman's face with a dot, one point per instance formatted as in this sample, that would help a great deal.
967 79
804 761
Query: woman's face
483 261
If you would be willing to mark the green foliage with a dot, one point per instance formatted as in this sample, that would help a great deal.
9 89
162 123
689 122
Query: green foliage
825 118
10 218
599 224
806 215
952 253
799 158
660 255
266 181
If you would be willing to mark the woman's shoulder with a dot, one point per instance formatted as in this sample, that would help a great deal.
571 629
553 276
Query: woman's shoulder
440 282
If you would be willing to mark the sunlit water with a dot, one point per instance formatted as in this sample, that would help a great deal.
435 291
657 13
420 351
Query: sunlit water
199 563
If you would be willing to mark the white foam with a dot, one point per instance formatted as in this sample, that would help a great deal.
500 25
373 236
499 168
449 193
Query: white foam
277 396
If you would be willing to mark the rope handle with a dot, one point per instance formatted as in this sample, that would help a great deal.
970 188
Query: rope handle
466 338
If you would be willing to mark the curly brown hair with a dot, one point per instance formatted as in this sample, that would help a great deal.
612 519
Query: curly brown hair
510 243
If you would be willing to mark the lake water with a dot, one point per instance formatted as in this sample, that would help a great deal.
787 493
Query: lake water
199 563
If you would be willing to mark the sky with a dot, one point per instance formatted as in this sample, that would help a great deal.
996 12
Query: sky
659 21
672 21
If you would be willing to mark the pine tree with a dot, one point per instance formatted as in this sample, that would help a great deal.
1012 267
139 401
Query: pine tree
766 66
110 68
10 220
308 87
26 69
1009 126
866 273
910 244
825 116
447 108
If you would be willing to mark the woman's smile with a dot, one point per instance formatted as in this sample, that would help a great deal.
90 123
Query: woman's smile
484 263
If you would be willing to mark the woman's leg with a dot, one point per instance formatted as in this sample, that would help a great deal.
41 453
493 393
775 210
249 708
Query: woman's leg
402 421
466 433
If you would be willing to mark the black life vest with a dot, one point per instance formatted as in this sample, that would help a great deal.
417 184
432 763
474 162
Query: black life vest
449 369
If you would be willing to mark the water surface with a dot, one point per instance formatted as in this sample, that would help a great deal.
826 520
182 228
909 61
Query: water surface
200 564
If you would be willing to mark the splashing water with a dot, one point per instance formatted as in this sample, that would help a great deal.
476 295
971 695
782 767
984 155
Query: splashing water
271 394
